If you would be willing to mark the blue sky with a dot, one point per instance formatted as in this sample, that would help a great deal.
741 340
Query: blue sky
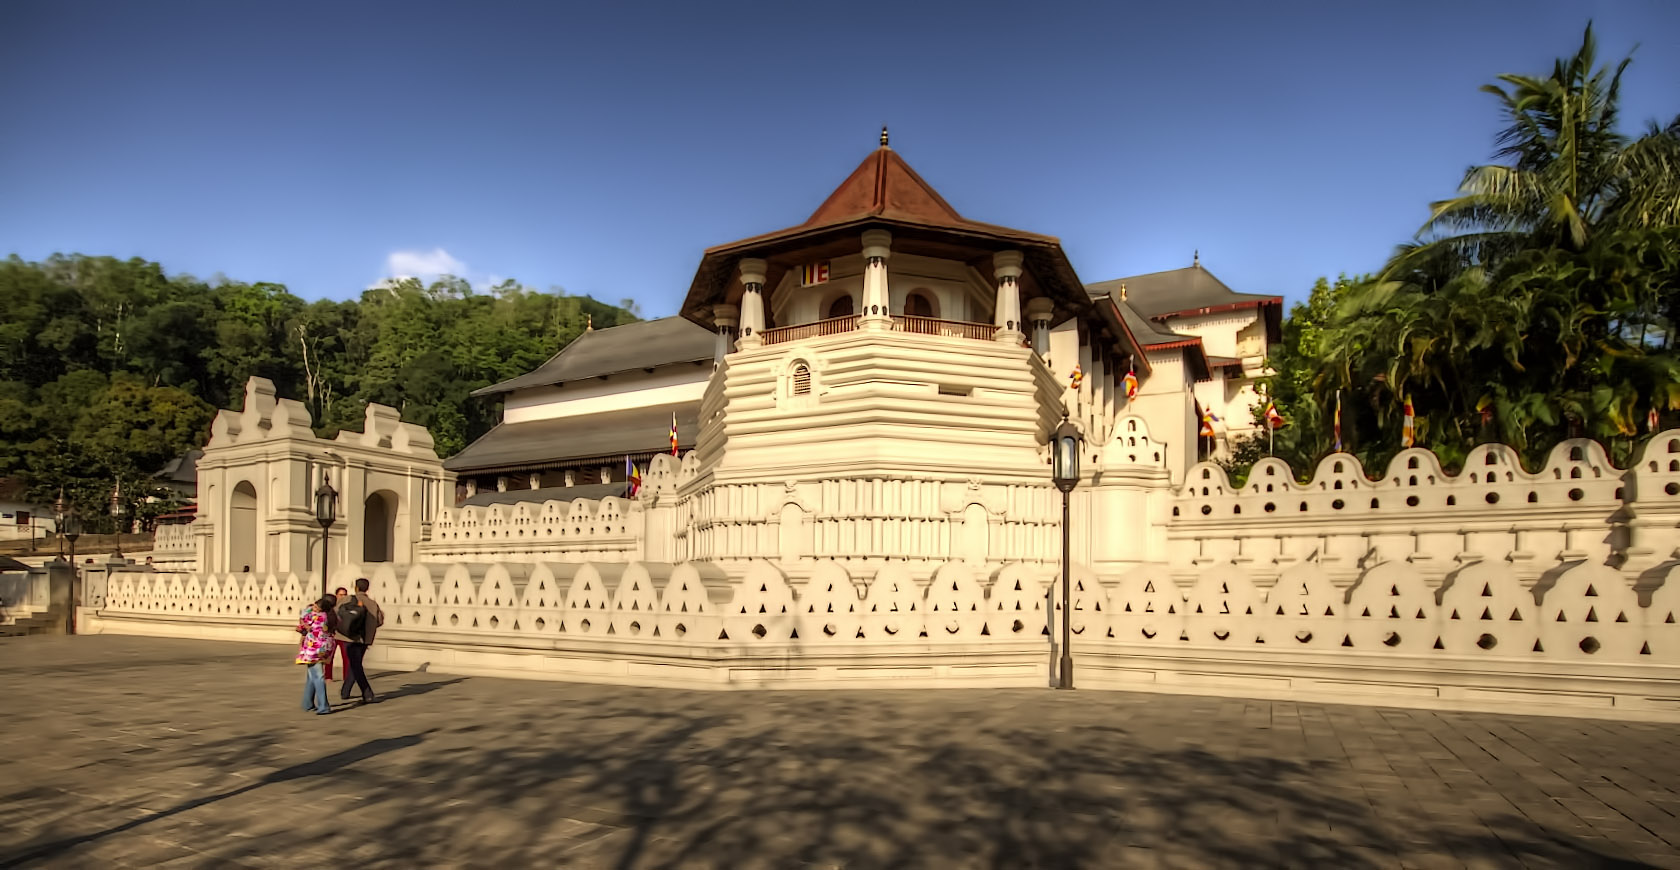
600 147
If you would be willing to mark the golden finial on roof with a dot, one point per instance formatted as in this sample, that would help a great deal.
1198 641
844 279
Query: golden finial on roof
589 323
883 135
1122 292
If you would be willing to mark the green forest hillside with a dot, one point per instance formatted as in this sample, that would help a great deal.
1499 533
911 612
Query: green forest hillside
111 368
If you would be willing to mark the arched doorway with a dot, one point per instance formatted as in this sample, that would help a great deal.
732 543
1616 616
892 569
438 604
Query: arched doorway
242 527
379 527
840 307
917 304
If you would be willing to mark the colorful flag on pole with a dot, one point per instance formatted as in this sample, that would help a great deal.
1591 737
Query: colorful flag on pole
1207 423
634 476
1274 420
1077 378
1131 383
673 433
1338 421
1408 426
815 273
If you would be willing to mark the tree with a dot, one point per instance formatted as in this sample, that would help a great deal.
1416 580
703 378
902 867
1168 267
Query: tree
1538 304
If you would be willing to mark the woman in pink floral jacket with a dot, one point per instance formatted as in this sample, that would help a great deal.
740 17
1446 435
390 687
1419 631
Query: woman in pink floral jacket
315 648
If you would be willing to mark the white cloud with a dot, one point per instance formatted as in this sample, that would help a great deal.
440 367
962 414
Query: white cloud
426 265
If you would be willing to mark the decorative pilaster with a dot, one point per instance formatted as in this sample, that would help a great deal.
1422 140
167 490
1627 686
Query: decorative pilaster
877 309
727 319
1006 266
752 302
1039 312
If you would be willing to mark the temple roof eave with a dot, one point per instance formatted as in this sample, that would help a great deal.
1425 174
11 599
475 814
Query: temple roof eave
716 278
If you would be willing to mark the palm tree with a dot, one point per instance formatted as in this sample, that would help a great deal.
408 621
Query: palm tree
1539 302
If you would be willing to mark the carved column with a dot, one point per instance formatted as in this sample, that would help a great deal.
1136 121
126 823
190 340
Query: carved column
1039 312
1006 267
752 302
726 318
877 309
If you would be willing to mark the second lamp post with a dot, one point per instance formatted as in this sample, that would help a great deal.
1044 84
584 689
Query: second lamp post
326 513
1064 460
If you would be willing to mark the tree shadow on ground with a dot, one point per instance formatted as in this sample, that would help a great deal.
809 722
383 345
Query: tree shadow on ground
326 765
503 773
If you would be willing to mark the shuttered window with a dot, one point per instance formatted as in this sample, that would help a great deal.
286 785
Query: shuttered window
801 380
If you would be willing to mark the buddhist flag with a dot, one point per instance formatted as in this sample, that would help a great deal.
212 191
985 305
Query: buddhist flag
673 433
1274 420
1653 419
1338 421
1077 378
634 475
1408 426
1207 423
815 273
1131 383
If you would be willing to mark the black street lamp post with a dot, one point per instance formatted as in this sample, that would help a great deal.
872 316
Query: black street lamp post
116 516
326 513
73 530
1065 472
58 522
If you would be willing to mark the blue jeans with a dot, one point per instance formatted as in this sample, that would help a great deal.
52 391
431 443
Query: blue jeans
315 690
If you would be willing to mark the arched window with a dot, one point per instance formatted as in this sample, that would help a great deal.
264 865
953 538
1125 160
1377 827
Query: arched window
801 380
918 305
840 307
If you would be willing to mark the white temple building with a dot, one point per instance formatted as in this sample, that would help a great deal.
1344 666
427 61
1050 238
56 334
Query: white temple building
857 492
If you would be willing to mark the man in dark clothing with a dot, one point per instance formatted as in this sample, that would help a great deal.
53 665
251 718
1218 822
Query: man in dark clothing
356 631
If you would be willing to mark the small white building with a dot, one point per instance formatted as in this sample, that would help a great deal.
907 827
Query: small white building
21 518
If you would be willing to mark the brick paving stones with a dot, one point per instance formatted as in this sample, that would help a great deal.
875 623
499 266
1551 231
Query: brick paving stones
140 752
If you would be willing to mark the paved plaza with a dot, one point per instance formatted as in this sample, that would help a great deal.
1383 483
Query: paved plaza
132 752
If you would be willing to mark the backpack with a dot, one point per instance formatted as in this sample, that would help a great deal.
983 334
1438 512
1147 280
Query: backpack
352 619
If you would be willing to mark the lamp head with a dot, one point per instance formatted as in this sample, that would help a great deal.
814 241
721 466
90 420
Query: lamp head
1065 447
326 504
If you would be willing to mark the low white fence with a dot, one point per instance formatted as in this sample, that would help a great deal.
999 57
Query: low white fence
1580 641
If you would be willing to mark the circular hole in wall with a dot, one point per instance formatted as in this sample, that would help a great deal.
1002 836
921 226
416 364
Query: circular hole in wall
759 632
1411 501
1576 495
1270 507
1017 627
541 623
1589 645
584 625
681 629
1207 509
635 628
830 629
454 620
1487 641
1391 639
1338 504
1492 498
1672 489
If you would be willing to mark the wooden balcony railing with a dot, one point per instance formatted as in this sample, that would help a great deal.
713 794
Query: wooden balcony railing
831 326
948 328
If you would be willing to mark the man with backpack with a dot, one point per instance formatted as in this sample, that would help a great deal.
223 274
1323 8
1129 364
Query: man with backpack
359 619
